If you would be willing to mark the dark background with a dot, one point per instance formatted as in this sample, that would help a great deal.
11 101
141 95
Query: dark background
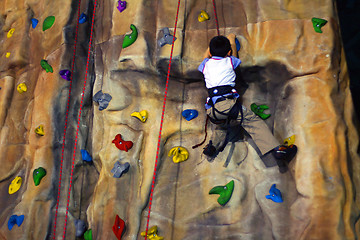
349 16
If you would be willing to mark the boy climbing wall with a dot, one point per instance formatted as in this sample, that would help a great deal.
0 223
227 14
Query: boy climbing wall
223 105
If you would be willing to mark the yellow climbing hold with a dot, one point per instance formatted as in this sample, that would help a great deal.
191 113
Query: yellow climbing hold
290 140
15 185
142 115
152 234
10 33
7 55
21 88
203 16
180 154
40 130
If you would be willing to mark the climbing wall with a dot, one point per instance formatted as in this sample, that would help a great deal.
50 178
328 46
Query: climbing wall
77 159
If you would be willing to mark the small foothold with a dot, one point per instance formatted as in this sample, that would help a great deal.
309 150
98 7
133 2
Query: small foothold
65 74
121 144
203 16
48 22
318 23
119 169
225 192
88 235
40 130
10 33
130 38
142 115
237 43
289 141
152 234
7 55
38 174
179 154
83 18
121 5
103 99
259 110
118 227
80 227
15 185
190 114
15 219
85 155
46 66
34 22
275 194
21 88
167 38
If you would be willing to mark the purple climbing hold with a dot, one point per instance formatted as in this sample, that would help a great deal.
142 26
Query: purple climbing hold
85 155
119 169
80 227
15 219
122 5
65 74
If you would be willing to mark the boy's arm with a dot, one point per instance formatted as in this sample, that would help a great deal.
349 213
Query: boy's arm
207 53
231 38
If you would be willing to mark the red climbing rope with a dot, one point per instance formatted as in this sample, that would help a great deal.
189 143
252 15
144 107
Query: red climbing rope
216 19
161 123
79 118
66 119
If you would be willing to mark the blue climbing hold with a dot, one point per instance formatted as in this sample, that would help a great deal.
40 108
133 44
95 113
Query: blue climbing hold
80 227
275 194
34 22
15 219
190 114
85 155
119 169
238 46
103 99
83 18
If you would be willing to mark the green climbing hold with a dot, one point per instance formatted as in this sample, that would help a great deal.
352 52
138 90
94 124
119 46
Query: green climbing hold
318 23
130 38
48 22
259 110
46 66
38 174
225 192
88 235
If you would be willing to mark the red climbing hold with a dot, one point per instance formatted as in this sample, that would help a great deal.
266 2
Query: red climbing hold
121 144
118 227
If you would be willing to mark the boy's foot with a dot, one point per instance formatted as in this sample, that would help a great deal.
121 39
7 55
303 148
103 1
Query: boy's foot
210 150
285 153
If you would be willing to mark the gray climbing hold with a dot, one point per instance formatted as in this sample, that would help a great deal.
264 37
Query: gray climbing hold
166 39
102 99
119 169
80 227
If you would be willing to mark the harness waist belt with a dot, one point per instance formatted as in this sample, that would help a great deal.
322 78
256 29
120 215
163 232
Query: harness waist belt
220 90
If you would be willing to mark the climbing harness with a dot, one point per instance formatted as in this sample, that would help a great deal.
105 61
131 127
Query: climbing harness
161 124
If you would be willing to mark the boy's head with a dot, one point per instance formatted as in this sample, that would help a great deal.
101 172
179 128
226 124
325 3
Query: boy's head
219 46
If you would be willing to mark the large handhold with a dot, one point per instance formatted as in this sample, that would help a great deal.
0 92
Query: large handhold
118 227
15 185
318 23
179 154
130 38
225 192
152 234
142 115
40 130
121 144
10 33
119 169
103 99
46 66
203 16
190 114
38 174
21 88
48 22
275 194
65 74
15 219
259 110
80 227
88 235
121 5
166 38
86 155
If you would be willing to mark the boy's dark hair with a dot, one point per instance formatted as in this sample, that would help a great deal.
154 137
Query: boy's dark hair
219 46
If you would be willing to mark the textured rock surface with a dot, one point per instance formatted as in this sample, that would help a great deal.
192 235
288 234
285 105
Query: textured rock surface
299 73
